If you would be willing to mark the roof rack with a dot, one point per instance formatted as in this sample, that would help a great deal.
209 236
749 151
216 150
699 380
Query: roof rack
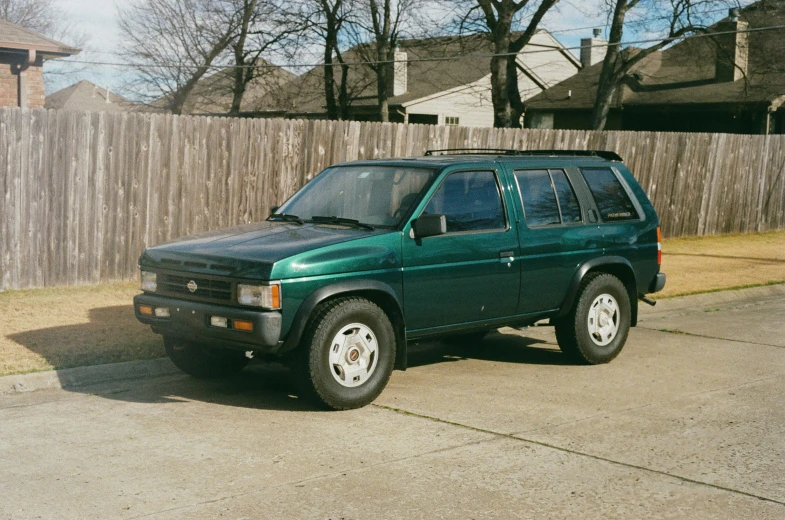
602 154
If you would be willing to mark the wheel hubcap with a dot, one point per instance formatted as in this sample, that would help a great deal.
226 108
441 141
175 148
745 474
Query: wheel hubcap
603 320
353 355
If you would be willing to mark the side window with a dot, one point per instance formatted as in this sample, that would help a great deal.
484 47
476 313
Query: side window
471 201
609 195
548 198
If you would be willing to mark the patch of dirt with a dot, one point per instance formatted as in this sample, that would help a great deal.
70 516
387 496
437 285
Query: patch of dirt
76 326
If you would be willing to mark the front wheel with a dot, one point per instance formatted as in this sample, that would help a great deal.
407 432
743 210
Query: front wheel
347 353
203 361
596 328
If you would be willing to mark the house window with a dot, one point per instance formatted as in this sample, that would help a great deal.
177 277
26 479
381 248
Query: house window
424 119
452 121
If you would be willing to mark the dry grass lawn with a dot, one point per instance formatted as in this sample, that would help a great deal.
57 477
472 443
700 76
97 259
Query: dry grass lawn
48 329
705 264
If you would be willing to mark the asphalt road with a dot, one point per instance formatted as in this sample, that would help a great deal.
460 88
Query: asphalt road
688 422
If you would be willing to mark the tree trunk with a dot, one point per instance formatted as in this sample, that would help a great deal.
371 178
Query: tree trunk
382 80
241 75
606 87
500 66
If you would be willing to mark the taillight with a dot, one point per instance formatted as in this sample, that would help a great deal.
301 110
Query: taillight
659 246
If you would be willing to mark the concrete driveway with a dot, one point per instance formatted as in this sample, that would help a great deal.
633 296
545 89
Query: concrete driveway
688 422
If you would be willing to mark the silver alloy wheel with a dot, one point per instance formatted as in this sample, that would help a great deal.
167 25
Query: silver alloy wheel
603 320
354 353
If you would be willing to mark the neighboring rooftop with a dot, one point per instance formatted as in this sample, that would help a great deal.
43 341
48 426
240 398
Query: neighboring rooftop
14 37
86 96
428 73
686 73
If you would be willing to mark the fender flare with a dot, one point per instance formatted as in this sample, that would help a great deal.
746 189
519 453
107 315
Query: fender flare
322 294
593 264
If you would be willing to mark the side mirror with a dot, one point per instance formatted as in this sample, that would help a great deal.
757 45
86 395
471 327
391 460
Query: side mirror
429 226
273 209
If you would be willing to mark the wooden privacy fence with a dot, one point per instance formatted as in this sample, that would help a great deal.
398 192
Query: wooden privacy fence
81 194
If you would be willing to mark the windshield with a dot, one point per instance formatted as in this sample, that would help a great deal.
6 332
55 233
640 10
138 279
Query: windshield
376 195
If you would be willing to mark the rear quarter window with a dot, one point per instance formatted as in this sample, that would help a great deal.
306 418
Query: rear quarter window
609 194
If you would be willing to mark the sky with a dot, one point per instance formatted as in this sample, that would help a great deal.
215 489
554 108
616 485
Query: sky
570 21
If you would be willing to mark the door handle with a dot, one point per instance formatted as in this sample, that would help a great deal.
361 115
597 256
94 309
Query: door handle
507 257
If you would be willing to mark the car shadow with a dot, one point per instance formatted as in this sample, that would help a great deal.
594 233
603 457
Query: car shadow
113 335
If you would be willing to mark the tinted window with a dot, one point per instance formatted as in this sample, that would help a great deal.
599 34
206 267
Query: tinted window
539 199
609 195
470 200
568 202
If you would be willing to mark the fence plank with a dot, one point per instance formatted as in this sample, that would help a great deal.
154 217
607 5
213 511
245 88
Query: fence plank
82 194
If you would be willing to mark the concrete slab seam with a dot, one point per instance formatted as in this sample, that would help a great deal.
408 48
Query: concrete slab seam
683 333
588 455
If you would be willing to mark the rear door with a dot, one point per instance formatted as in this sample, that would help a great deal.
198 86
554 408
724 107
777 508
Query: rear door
469 273
558 233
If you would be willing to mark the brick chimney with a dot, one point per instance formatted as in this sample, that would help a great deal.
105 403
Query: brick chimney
593 49
732 48
399 74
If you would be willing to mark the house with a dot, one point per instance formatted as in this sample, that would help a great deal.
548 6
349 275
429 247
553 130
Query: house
444 80
22 56
86 96
733 82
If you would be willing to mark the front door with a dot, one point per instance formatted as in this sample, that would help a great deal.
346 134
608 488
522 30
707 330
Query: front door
469 273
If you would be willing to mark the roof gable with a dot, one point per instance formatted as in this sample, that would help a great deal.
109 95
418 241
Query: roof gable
14 37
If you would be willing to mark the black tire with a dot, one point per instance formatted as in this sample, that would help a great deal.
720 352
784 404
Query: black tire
203 361
572 331
314 371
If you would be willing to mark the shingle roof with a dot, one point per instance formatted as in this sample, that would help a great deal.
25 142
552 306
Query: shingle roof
213 94
685 73
425 78
86 96
15 37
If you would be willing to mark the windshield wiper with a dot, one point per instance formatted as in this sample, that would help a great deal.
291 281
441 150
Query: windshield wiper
341 220
287 218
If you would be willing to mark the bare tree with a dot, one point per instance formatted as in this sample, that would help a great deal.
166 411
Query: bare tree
325 21
174 43
682 17
503 21
264 26
378 26
37 15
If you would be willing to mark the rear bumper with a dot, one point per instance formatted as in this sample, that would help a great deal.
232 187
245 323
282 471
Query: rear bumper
658 283
191 320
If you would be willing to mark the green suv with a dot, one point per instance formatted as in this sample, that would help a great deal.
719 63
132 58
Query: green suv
371 255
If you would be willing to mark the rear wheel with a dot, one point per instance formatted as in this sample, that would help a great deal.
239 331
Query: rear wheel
596 328
347 353
203 361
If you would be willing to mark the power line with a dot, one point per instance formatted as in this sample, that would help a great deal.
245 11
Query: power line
437 59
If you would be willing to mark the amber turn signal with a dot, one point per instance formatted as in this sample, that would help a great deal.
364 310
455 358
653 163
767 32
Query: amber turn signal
145 310
242 325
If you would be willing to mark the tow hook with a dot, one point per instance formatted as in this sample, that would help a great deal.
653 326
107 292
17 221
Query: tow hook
646 299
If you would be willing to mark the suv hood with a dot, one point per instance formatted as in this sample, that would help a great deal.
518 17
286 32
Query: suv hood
248 251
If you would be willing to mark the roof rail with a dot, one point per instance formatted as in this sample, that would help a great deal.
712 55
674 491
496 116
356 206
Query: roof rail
602 154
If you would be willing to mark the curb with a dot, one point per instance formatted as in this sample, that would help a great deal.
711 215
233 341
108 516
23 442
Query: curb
699 302
85 376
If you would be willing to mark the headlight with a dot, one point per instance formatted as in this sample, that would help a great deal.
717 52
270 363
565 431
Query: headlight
148 281
267 296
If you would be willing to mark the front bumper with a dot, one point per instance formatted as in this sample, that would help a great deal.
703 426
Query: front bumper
191 320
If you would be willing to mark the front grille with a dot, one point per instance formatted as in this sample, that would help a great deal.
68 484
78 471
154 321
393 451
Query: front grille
207 288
